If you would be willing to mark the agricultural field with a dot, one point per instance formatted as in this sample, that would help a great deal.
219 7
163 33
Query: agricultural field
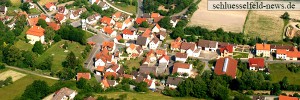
15 90
13 74
279 71
22 45
16 3
145 96
264 26
43 2
228 20
128 8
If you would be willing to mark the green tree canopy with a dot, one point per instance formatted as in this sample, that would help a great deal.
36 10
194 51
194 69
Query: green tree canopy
38 47
36 91
42 23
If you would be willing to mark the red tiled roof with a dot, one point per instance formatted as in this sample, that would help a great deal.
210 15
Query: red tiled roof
146 33
108 44
54 25
281 51
49 4
165 56
36 31
175 44
149 82
59 16
293 54
128 20
229 49
257 62
114 74
282 97
140 20
154 15
117 14
161 52
106 20
105 83
157 26
127 31
33 21
127 76
108 30
263 46
119 25
43 16
119 37
100 68
83 75
230 69
180 65
132 46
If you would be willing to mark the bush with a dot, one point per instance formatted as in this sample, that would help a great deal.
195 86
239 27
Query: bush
2 66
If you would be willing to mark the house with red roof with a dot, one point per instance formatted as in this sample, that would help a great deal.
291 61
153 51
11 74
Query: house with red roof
44 17
83 75
34 34
108 45
181 57
226 51
284 54
94 1
54 25
75 14
118 26
103 57
62 10
151 55
109 31
227 66
156 29
99 70
106 21
175 45
263 50
129 34
134 51
118 38
160 52
93 19
174 20
127 23
140 20
50 6
182 68
154 15
188 48
61 18
154 43
164 59
150 83
113 68
256 64
282 97
117 16
33 21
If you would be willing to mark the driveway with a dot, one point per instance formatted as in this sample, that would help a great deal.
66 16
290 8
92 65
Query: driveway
140 9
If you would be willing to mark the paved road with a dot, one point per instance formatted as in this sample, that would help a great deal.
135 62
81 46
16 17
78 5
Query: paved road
140 9
183 11
117 8
31 72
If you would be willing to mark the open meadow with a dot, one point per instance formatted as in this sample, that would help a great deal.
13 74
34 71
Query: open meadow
228 20
15 90
279 71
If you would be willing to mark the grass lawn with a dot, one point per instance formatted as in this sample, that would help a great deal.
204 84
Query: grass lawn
133 63
43 2
16 89
88 34
22 45
278 71
144 96
23 34
16 3
240 55
11 12
125 7
35 11
59 55
266 27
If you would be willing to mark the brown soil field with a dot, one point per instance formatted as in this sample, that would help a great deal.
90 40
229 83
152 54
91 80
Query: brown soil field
10 73
228 20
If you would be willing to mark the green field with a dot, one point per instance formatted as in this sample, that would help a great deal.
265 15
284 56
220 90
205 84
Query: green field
145 96
59 55
278 71
22 45
16 3
240 55
133 63
16 89
35 11
125 7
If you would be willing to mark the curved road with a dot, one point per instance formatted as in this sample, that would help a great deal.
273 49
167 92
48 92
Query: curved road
117 8
31 72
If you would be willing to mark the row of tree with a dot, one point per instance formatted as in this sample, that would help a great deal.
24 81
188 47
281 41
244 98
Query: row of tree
173 6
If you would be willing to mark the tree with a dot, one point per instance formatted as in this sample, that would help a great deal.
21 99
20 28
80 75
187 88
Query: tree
8 80
49 34
42 23
25 6
82 83
46 64
285 16
165 23
66 74
141 87
199 88
2 66
35 1
276 89
85 15
36 91
241 97
57 38
71 61
121 40
29 58
38 47
217 91
12 55
284 83
144 24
